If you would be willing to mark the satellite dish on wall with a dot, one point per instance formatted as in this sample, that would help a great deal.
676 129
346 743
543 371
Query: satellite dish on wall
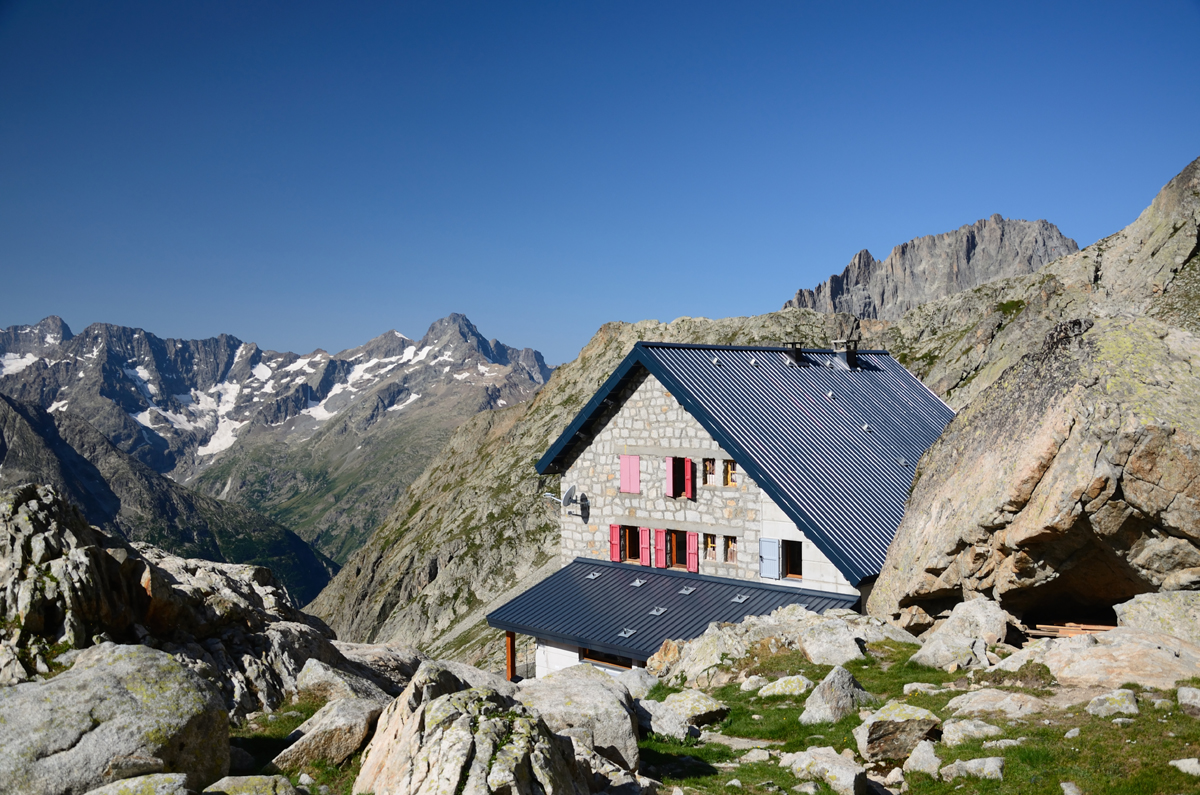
569 497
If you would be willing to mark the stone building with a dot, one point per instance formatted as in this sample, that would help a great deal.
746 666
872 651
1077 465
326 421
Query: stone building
783 467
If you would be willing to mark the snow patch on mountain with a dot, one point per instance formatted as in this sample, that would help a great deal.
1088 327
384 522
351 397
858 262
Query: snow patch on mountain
407 402
262 372
14 363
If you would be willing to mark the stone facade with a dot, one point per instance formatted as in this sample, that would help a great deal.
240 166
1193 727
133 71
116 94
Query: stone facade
648 422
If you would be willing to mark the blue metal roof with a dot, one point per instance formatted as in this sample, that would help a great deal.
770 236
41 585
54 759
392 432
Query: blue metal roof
842 484
571 608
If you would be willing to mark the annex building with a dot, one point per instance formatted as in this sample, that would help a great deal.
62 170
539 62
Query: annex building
714 482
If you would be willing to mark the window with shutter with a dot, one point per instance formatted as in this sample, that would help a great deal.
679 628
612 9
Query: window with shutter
660 549
693 552
614 542
689 479
631 474
644 546
671 480
768 558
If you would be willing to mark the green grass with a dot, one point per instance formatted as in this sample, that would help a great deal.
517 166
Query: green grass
660 691
1105 759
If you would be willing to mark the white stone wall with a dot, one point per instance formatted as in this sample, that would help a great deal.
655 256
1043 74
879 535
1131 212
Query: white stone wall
651 424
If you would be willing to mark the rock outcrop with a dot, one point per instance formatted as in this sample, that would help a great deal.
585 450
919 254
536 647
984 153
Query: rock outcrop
66 584
120 712
1069 482
444 735
937 266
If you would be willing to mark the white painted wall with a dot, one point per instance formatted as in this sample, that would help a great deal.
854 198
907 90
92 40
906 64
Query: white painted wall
819 573
549 657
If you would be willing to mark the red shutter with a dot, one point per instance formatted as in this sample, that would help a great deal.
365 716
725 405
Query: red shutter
644 544
614 542
689 489
671 477
660 549
693 552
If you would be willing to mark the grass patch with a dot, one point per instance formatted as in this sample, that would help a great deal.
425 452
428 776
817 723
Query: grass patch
660 691
265 739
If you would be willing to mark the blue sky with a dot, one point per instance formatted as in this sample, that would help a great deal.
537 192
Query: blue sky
310 175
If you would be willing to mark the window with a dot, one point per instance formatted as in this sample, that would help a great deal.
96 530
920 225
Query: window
677 549
793 564
710 547
729 473
731 549
631 544
631 474
709 478
604 658
679 478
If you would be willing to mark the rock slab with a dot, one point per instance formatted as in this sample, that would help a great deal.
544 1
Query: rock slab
117 712
838 695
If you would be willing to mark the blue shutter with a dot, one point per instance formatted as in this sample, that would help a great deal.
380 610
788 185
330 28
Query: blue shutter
768 558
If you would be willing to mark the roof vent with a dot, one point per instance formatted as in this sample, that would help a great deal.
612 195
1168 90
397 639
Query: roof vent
867 427
829 394
753 362
740 598
658 611
687 589
592 576
902 461
626 633
638 583
795 353
847 351
716 359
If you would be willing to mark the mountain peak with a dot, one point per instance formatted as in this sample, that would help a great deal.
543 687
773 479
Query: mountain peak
936 266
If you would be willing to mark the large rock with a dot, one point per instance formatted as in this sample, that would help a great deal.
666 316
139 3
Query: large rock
471 741
334 734
825 764
638 681
696 708
944 650
389 665
991 767
1067 483
583 697
957 732
119 712
893 731
977 618
1175 613
1189 701
1118 702
796 685
830 643
329 684
153 784
923 759
656 717
838 695
251 785
1111 659
988 700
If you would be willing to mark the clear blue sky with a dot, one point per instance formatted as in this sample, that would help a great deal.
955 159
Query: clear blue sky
309 175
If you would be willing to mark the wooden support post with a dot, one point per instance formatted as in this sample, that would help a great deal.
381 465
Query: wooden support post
510 654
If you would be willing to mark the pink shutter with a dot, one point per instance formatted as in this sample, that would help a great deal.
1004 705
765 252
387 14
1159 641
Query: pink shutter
624 474
614 542
689 488
660 549
644 544
693 552
635 475
671 477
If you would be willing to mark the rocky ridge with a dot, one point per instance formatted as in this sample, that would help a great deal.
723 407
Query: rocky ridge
936 266
301 438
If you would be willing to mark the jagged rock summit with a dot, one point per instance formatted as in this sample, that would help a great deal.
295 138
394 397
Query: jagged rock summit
937 266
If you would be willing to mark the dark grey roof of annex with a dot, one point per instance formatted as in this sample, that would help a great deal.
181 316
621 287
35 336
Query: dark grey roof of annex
834 446
591 603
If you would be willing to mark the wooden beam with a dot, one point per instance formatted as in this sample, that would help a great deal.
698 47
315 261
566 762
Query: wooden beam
510 654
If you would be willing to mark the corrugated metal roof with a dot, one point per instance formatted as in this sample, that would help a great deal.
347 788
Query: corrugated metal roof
570 608
844 485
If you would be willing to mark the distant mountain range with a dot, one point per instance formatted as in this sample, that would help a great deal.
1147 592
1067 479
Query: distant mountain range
323 443
936 266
